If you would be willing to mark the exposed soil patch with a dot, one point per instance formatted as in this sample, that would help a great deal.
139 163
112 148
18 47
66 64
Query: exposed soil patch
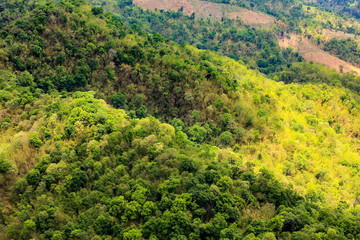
165 5
203 9
253 18
313 53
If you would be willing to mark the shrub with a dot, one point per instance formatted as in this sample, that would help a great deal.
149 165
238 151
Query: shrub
226 138
25 79
97 10
35 141
5 166
118 100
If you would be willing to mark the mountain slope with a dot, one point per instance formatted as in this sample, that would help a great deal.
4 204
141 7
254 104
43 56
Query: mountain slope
240 156
101 173
310 22
346 7
213 99
313 53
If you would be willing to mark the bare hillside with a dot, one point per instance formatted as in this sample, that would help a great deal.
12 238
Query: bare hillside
313 53
203 9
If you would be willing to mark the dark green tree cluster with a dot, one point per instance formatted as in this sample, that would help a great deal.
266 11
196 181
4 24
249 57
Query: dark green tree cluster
346 49
316 73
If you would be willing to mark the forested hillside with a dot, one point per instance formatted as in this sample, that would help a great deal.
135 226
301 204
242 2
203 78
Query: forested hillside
346 7
347 49
101 173
242 30
258 48
110 132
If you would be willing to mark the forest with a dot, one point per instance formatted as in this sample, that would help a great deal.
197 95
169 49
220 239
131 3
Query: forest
345 7
257 48
111 130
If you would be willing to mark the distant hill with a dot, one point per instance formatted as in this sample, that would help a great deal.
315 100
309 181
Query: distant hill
307 22
346 7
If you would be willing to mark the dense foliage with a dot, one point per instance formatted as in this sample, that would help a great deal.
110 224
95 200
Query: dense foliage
316 73
240 157
346 7
134 70
347 49
101 173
